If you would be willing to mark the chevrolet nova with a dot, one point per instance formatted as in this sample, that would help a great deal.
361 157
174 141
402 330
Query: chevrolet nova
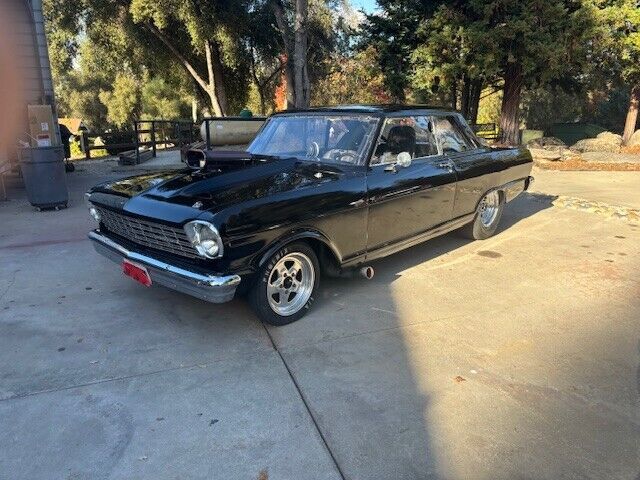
319 191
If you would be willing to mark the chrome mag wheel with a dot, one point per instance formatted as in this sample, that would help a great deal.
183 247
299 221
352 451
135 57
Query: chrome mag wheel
290 284
489 208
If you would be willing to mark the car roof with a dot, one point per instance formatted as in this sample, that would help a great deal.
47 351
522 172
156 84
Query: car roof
380 109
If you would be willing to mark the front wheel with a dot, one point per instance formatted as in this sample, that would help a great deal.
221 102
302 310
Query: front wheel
488 214
285 289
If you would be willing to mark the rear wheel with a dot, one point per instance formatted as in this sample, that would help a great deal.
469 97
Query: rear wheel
285 289
488 214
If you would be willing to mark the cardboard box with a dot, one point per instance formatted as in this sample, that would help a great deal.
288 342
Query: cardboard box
42 129
5 165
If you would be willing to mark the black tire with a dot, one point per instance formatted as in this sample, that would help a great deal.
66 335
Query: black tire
258 296
479 230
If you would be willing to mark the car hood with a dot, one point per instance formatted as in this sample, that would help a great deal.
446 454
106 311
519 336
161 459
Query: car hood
216 186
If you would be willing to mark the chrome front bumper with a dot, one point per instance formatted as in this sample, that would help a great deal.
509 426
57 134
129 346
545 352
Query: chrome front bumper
212 288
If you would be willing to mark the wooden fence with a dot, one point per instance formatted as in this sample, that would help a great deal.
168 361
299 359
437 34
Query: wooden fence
145 133
488 131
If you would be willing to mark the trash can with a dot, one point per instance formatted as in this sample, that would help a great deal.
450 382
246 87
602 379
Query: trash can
44 176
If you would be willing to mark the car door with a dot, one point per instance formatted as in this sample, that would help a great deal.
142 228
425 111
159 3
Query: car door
473 162
405 201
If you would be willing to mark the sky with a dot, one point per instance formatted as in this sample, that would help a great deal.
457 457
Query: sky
367 5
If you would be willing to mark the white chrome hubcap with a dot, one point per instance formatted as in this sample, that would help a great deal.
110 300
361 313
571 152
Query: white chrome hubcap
489 207
290 284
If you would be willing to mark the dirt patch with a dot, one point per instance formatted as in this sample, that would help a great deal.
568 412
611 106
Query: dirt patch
489 254
634 149
581 165
589 272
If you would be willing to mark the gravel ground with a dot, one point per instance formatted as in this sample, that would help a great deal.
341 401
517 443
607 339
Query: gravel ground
594 161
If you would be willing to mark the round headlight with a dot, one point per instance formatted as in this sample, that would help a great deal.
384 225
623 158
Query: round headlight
210 247
205 238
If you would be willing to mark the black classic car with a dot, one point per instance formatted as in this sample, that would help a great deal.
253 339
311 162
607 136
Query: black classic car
319 191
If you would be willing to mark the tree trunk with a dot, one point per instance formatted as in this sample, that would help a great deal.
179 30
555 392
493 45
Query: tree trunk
211 86
509 113
218 76
474 100
291 93
632 114
285 33
194 109
301 78
465 97
261 95
454 94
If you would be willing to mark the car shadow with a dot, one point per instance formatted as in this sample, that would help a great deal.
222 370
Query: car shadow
361 365
386 269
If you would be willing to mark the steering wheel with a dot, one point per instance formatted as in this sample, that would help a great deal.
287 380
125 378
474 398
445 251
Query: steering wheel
340 155
313 150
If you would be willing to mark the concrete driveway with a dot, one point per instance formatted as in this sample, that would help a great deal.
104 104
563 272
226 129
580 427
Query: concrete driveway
516 357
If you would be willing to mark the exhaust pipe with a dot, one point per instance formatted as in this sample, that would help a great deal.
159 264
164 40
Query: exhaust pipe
364 272
367 272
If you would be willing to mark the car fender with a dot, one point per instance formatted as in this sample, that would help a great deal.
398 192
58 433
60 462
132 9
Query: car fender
510 190
299 234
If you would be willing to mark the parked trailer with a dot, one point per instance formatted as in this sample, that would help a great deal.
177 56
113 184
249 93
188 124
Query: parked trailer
229 130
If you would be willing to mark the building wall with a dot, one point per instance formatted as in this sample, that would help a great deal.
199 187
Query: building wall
42 51
30 57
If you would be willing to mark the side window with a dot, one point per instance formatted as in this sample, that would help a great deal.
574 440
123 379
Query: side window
470 135
413 135
450 136
426 144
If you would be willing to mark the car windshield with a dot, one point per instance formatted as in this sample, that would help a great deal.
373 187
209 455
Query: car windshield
323 138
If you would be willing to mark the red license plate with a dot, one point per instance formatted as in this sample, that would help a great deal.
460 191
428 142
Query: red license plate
137 272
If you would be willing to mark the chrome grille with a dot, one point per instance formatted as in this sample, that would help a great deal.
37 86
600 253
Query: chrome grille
149 234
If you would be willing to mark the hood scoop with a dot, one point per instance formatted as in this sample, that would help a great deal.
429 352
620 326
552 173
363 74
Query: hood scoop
221 160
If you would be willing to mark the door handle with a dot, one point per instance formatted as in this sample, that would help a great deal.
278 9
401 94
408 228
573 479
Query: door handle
446 165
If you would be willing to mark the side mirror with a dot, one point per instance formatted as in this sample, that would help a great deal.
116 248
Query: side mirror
404 159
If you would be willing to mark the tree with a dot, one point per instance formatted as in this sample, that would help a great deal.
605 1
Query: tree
123 102
165 97
524 44
392 33
620 47
463 46
300 68
446 66
267 61
306 38
292 22
352 79
205 38
221 46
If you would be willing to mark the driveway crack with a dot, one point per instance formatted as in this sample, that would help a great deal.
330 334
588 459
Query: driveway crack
305 402
11 283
